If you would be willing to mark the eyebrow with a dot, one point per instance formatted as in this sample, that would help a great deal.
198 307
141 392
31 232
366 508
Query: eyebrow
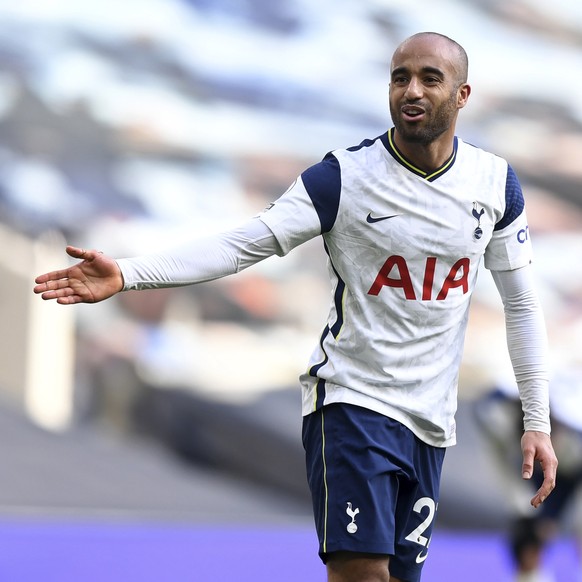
432 70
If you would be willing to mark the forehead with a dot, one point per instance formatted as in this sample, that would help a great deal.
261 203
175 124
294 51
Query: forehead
425 52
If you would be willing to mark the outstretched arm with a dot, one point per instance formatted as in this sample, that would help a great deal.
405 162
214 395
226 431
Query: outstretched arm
99 277
95 278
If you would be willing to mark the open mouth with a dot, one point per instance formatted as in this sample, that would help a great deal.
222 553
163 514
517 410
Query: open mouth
412 112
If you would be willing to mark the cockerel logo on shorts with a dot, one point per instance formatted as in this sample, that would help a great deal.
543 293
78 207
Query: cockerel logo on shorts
352 527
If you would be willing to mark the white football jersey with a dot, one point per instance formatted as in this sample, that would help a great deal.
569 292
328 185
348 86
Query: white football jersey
404 250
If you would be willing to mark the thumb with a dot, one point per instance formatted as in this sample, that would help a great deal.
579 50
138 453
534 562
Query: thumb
83 254
75 252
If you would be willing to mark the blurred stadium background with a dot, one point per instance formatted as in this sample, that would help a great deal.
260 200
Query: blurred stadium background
156 436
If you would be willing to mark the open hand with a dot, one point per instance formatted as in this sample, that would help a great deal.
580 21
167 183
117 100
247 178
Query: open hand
95 278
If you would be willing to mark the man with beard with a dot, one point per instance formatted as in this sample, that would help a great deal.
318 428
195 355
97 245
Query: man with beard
406 219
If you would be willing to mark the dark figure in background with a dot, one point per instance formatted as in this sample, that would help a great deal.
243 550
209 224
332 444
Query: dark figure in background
499 416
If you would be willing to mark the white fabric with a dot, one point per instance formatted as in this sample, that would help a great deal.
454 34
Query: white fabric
201 260
526 338
401 287
397 321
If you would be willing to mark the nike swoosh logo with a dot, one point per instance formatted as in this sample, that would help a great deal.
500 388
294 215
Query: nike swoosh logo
420 558
372 219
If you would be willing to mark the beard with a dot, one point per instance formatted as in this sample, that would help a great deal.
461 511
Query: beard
437 121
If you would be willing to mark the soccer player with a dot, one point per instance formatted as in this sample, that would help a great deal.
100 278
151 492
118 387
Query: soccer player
406 219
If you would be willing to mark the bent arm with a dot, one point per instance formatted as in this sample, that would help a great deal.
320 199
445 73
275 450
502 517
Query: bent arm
201 260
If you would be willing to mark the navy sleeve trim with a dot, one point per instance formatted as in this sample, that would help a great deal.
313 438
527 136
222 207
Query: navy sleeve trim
323 184
514 202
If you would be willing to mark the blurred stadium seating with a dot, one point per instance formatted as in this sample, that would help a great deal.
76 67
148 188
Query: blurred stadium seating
128 127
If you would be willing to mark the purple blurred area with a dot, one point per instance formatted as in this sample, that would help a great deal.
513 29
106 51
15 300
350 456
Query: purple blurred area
149 552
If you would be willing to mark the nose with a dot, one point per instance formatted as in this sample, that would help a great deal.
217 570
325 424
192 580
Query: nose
413 89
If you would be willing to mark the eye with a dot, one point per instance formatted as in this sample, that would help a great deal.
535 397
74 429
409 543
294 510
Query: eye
400 80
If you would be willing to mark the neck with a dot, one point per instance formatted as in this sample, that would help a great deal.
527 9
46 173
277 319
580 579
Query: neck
426 157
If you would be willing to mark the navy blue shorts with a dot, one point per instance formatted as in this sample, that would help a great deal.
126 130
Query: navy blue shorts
374 486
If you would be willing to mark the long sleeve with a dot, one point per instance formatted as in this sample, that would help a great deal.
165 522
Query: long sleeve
201 259
527 343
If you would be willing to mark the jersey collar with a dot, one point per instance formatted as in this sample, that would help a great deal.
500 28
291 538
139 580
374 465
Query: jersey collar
388 140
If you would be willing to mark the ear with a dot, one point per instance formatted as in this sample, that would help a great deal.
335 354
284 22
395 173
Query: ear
463 95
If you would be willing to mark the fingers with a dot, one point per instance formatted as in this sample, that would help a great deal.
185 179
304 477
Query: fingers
537 447
55 280
95 278
549 467
53 288
59 290
52 277
70 299
528 464
542 493
545 489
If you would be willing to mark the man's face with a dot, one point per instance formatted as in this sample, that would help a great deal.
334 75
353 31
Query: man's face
425 90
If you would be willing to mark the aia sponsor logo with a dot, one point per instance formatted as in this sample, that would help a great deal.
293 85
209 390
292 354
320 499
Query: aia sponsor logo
395 273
